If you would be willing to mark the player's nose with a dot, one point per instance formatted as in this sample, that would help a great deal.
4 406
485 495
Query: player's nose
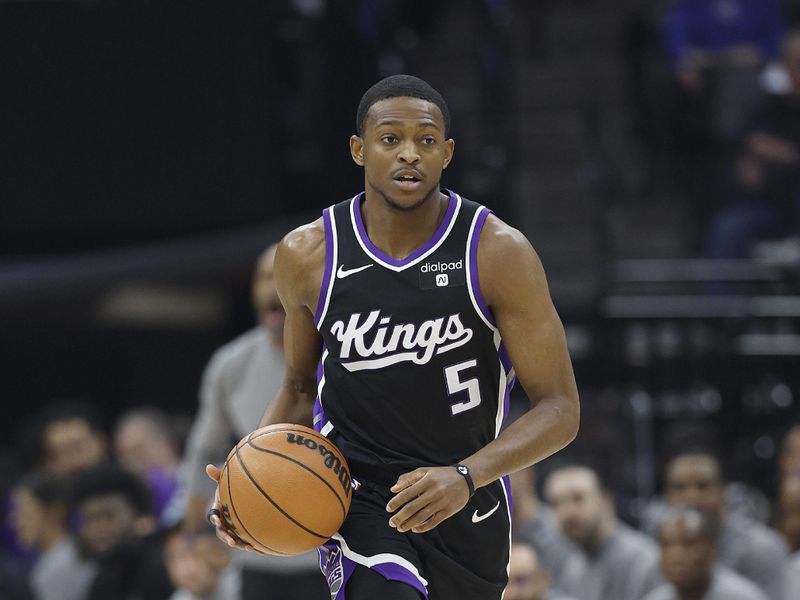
408 153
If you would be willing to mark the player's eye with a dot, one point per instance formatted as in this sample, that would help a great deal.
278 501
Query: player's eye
389 139
429 140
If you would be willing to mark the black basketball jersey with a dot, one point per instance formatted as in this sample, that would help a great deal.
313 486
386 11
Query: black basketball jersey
413 371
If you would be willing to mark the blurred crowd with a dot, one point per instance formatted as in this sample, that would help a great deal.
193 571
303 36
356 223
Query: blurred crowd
732 125
120 513
98 510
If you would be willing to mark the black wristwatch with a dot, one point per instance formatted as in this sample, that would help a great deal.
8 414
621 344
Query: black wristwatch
463 470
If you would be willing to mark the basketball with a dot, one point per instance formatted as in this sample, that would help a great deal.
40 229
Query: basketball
285 489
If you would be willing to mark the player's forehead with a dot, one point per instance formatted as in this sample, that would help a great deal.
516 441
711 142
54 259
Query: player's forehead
404 111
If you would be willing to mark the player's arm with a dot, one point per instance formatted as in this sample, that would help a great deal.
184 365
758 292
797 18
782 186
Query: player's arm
299 266
514 286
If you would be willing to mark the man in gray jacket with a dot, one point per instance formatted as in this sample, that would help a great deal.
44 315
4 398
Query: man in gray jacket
590 553
694 480
688 562
239 380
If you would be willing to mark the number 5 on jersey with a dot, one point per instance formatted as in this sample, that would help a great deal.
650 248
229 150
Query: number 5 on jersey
455 384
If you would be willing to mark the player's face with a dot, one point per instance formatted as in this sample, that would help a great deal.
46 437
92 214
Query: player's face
687 557
403 151
694 481
105 522
578 505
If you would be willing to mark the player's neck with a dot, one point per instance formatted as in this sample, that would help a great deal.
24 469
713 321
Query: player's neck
399 232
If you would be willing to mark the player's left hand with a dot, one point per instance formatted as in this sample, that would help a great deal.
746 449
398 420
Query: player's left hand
425 497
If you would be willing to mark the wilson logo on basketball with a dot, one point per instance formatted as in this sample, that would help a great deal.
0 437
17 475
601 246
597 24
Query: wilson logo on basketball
331 460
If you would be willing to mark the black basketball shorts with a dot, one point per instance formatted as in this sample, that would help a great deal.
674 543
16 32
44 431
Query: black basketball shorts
464 558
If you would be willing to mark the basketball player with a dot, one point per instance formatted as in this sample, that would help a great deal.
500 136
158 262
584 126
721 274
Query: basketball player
410 311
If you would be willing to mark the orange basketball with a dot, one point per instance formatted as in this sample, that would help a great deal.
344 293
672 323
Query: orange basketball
285 489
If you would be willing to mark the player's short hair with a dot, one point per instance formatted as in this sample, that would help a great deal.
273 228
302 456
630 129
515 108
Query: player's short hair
110 479
399 86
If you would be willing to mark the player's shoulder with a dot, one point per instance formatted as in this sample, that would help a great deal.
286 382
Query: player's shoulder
304 241
300 262
499 236
501 245
302 250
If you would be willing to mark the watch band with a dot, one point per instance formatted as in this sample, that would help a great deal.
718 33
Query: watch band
463 470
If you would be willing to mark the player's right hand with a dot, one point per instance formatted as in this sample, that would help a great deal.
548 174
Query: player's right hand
224 531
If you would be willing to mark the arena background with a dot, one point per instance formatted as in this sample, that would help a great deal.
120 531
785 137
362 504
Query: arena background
150 150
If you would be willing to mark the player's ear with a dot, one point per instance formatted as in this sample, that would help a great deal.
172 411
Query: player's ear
357 150
449 148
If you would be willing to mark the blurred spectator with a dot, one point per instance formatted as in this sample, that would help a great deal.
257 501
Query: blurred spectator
240 379
69 438
702 33
117 529
200 567
788 513
527 579
791 583
717 48
39 515
694 480
766 201
591 554
789 459
144 442
688 558
13 584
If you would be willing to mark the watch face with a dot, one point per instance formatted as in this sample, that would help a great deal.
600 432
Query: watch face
463 470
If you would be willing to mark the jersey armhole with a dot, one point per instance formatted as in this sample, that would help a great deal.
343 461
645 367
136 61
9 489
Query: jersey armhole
329 224
471 259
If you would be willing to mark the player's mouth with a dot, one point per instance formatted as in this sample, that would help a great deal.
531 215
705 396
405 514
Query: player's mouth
408 180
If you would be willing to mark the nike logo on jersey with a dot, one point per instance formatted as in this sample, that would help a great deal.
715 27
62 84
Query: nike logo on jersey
374 342
478 519
342 272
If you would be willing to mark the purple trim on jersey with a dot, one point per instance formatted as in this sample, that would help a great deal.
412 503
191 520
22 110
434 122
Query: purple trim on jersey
326 278
507 400
318 411
504 358
507 485
318 424
394 572
361 232
473 266
336 568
